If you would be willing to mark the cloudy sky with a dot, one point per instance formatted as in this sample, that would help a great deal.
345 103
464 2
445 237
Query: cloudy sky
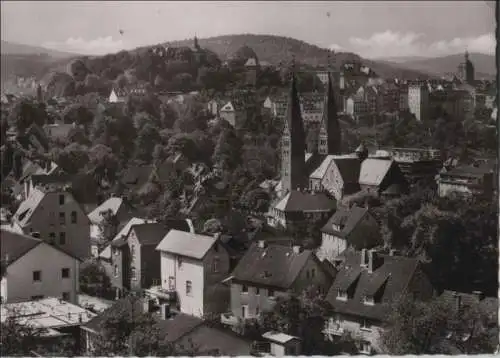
369 28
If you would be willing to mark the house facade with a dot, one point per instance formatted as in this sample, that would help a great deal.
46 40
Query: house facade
466 181
57 217
347 229
35 270
193 266
367 284
269 271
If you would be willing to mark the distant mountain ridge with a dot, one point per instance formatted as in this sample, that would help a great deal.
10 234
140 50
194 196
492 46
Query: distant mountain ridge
12 48
484 65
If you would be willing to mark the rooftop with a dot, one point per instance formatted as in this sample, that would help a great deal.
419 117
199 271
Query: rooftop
186 244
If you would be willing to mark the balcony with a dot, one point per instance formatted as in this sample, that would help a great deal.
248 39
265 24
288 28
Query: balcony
229 319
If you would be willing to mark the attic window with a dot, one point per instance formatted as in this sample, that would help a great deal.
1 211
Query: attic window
266 274
342 295
23 214
369 300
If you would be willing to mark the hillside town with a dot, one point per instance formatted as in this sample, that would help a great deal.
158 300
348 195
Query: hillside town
263 211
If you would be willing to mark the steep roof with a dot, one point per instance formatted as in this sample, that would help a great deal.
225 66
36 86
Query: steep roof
329 121
346 219
150 233
112 204
373 171
136 176
296 201
15 245
186 244
275 265
28 206
349 168
387 282
320 171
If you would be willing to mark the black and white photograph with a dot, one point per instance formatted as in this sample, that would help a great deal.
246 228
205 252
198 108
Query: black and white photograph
249 178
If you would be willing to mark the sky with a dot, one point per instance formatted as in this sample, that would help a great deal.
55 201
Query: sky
372 29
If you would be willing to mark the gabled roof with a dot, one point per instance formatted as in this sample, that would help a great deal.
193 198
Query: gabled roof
186 244
137 176
150 233
228 107
28 206
320 171
15 245
112 204
251 62
119 238
349 168
298 201
274 265
346 219
373 171
388 281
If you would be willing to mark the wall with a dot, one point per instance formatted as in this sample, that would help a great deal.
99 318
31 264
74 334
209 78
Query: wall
331 246
45 220
50 261
191 270
333 181
216 295
135 261
305 280
252 300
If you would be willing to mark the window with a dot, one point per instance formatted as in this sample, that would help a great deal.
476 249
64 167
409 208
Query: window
271 293
244 310
133 274
65 296
369 300
37 276
342 295
313 273
366 347
62 218
244 288
116 270
73 217
216 264
37 297
52 238
257 291
62 238
61 199
365 325
65 272
171 283
189 288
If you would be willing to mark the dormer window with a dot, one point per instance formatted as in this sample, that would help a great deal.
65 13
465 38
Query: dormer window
369 300
341 295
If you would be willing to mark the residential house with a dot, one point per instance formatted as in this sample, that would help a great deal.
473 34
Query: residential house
32 168
57 319
417 164
193 266
366 287
136 177
341 177
376 175
252 71
33 269
233 115
348 228
177 329
120 209
57 217
268 271
418 101
300 206
466 181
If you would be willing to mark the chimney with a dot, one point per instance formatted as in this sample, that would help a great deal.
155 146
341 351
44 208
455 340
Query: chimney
479 295
297 249
165 311
147 305
262 244
364 258
373 260
35 234
458 300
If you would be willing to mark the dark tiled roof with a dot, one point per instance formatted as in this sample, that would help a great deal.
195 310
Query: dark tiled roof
349 169
14 245
150 234
136 176
390 280
488 304
299 201
346 219
274 265
469 170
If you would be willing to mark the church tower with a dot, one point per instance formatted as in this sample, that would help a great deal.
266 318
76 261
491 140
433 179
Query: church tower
329 137
293 143
469 69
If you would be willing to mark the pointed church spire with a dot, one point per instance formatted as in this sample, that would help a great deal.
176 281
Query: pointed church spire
329 133
293 141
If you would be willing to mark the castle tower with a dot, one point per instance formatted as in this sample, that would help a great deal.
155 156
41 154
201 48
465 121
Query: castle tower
293 143
329 137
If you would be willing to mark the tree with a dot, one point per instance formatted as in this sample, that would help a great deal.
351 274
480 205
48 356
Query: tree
79 114
103 163
437 327
78 69
94 281
147 138
72 159
26 112
108 226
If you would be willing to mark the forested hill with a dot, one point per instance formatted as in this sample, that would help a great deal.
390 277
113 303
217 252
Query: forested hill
279 49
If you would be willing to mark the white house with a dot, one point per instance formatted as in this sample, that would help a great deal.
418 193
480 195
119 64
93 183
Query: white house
116 96
193 266
33 269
